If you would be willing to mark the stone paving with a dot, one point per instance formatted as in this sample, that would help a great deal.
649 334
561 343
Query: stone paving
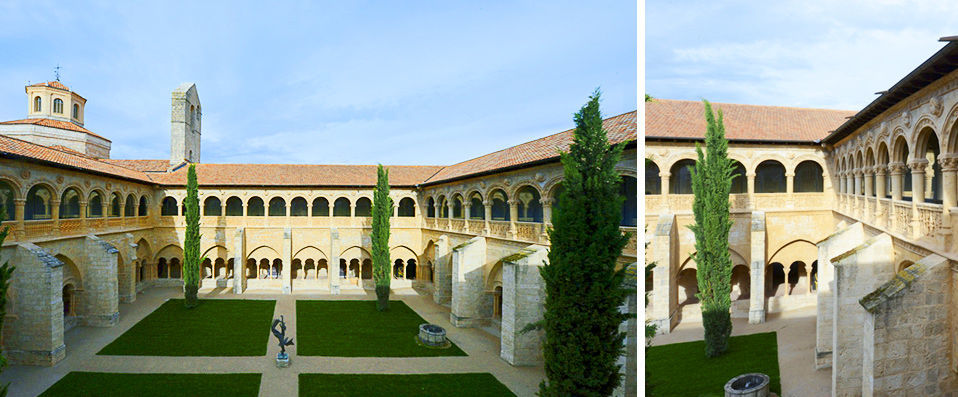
83 343
796 348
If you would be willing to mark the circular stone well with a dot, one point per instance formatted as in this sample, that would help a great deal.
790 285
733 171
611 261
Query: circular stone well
432 335
748 385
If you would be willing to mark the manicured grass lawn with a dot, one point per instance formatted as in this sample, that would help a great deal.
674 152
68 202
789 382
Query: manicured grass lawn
356 329
681 369
479 384
112 384
217 327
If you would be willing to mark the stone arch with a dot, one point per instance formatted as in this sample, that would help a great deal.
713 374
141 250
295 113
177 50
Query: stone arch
809 176
680 177
741 282
70 203
72 274
264 252
310 251
529 203
407 207
277 206
950 131
216 251
900 152
212 206
341 207
770 177
39 202
255 206
797 249
904 265
169 207
925 122
766 158
500 205
170 251
458 206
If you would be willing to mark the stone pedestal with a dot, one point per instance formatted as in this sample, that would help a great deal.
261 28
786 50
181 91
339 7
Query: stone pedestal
282 360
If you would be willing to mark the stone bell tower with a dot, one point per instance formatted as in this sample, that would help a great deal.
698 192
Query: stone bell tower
185 120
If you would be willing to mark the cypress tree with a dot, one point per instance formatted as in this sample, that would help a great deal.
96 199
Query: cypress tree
584 288
191 244
382 210
6 276
711 184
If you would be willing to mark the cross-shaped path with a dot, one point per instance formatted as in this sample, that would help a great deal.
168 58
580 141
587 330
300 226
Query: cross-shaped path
83 343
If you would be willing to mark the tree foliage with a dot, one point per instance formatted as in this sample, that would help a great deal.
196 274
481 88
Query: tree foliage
191 243
6 277
711 184
382 210
584 288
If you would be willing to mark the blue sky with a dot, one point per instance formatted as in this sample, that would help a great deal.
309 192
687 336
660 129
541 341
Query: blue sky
821 54
326 83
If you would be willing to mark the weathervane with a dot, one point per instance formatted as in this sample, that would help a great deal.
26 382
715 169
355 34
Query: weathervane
56 72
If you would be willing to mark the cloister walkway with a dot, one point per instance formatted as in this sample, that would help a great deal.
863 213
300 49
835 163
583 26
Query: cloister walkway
83 343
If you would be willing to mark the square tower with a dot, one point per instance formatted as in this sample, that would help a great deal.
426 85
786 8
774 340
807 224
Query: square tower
185 123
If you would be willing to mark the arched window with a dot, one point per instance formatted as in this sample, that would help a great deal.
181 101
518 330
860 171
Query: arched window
320 206
407 207
341 207
38 203
653 182
530 208
500 205
808 177
212 206
739 180
234 206
58 106
70 204
476 209
115 204
628 188
681 180
142 210
457 207
6 201
94 207
37 104
770 177
431 208
901 155
443 207
364 207
76 111
929 150
277 206
129 208
298 207
254 207
169 207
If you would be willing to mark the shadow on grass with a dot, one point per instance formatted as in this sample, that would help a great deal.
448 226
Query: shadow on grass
114 384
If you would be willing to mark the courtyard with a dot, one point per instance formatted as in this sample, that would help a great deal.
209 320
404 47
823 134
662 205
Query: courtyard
348 353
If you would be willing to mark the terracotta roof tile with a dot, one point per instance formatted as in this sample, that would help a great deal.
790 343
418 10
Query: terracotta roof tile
141 165
667 118
63 125
16 147
295 175
621 128
54 84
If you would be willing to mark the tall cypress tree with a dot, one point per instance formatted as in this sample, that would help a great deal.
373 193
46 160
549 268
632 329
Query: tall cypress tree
6 276
583 287
382 210
711 184
191 244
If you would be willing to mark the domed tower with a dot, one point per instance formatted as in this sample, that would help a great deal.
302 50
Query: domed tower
55 119
186 120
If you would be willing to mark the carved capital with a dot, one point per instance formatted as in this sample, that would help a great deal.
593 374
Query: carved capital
949 163
918 166
546 201
896 168
880 170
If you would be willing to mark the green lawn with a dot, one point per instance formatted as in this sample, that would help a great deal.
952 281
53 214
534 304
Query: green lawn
681 369
217 327
112 384
356 329
478 384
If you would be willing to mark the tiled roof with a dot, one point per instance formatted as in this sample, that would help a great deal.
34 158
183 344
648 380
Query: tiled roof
141 165
666 118
63 125
54 84
295 175
621 128
16 147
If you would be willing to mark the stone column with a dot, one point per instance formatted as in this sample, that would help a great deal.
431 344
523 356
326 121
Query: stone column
333 265
55 215
897 171
442 286
467 282
466 207
83 210
917 194
664 178
664 299
99 299
239 261
488 206
35 335
352 209
756 307
523 295
751 189
790 182
513 217
123 208
19 206
881 213
546 217
949 173
287 260
869 192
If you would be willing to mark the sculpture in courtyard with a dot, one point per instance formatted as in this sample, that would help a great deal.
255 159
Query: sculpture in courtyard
281 335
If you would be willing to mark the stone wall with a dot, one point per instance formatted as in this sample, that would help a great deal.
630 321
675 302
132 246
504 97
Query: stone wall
523 297
468 260
840 242
906 333
35 335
